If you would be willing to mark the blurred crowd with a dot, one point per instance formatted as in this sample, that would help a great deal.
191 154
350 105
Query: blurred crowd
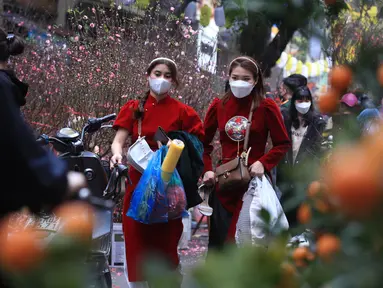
355 103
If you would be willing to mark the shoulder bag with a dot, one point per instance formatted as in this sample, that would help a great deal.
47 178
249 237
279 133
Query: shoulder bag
235 173
139 153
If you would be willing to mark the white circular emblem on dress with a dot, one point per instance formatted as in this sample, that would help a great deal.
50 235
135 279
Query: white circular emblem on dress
235 128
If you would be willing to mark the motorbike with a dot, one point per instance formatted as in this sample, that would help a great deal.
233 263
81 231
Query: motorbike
106 192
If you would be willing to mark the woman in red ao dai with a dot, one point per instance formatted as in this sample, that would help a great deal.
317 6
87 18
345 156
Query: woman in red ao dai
229 115
155 108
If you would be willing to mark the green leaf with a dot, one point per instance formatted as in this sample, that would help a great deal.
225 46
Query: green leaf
265 216
142 4
242 268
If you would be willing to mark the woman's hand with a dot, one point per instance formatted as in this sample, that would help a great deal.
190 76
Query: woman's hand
256 169
209 178
116 159
118 142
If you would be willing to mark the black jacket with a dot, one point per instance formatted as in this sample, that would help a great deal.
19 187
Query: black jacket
311 144
294 177
19 89
190 167
34 176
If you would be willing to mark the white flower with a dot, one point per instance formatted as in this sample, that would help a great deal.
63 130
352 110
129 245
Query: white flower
119 7
182 53
85 17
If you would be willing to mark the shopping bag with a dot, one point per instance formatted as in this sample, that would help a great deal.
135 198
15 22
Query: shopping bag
153 200
175 200
251 227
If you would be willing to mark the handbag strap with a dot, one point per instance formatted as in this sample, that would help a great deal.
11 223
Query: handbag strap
247 135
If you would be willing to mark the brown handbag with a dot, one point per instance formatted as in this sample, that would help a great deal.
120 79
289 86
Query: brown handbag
235 173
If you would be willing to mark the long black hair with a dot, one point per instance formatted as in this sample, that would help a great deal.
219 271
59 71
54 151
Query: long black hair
10 45
294 81
301 93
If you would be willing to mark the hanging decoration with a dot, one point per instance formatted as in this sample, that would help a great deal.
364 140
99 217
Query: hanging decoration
291 65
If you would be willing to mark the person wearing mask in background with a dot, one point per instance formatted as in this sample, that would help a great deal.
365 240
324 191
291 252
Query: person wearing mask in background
155 108
305 128
287 88
37 177
246 86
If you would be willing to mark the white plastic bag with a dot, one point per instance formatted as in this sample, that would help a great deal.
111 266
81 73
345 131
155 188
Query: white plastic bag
139 154
250 225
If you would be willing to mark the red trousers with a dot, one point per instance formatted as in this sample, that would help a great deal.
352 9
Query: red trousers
142 240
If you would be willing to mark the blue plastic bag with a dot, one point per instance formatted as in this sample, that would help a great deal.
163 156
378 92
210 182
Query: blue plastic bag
154 201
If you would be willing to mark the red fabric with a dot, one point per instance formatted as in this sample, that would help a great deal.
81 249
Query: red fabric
169 113
267 118
142 239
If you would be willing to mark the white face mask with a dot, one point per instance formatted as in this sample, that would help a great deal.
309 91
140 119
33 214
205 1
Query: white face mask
241 88
159 85
303 107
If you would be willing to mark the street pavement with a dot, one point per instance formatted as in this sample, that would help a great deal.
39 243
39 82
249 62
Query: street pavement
191 256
